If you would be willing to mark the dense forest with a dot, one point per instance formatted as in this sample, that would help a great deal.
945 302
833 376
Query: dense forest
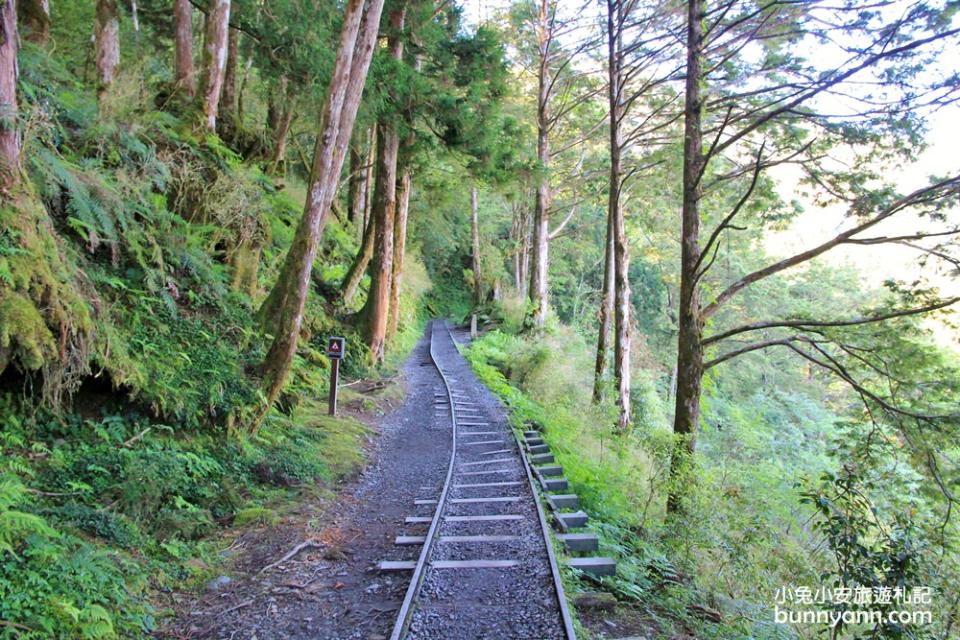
708 249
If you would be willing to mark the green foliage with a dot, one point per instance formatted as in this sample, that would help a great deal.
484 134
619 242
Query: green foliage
103 524
188 369
132 260
54 584
137 251
255 515
735 537
15 526
104 505
867 551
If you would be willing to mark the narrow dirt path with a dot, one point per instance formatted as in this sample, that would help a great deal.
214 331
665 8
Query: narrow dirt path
333 590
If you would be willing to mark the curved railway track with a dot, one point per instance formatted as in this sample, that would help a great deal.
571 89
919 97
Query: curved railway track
486 568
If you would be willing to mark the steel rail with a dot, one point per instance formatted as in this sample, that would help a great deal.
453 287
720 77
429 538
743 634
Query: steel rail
403 617
545 530
401 626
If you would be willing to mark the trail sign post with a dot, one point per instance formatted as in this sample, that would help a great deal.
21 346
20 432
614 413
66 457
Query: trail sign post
336 346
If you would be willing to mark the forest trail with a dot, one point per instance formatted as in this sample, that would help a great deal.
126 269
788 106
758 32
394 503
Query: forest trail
334 590
486 568
330 585
716 244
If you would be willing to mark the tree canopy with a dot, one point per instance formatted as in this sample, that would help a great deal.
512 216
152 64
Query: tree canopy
712 247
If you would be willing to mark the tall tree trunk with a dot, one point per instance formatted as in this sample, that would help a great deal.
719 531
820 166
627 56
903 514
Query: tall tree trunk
135 19
35 16
690 341
273 105
356 188
228 97
369 180
606 312
214 60
351 282
9 71
525 253
475 253
404 185
383 216
183 47
541 212
284 119
282 311
243 88
107 38
515 235
376 308
621 356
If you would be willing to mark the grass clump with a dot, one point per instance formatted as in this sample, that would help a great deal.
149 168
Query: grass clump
255 515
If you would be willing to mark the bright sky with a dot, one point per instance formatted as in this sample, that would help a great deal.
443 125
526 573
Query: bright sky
478 10
878 262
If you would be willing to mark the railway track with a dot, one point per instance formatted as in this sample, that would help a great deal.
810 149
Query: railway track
486 567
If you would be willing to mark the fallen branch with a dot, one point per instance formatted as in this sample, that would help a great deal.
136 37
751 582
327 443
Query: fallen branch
52 494
307 544
245 603
204 633
297 585
15 625
137 437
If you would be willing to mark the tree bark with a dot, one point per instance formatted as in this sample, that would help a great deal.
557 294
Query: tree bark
214 60
243 88
135 19
245 261
284 119
228 96
273 107
541 221
525 253
515 236
690 340
376 309
183 47
107 39
606 313
357 189
404 185
9 71
383 217
282 311
475 253
359 267
34 15
369 179
621 356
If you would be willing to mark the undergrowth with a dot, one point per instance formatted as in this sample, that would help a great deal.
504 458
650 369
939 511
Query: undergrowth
96 513
546 385
132 262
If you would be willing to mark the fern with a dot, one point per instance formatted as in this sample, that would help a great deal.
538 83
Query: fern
90 205
12 492
17 525
95 623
